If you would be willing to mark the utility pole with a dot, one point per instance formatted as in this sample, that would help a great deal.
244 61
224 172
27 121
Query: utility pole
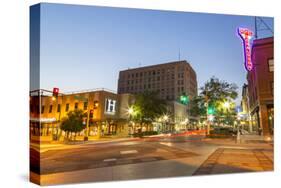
88 118
256 30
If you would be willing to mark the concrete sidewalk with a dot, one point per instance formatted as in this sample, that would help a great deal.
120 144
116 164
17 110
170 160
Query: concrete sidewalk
251 137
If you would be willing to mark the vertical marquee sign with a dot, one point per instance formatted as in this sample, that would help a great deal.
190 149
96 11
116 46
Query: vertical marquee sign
246 36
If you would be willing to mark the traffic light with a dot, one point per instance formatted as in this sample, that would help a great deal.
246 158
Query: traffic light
96 104
211 110
91 114
55 91
184 99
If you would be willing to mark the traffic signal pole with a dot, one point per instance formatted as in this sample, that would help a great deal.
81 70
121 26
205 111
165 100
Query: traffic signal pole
207 107
207 120
87 124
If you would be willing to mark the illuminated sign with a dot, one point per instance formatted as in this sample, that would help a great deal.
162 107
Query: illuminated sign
246 36
110 106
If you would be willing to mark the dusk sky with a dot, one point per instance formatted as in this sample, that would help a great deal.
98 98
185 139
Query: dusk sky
85 47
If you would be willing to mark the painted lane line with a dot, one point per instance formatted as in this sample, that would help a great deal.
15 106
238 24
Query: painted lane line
128 152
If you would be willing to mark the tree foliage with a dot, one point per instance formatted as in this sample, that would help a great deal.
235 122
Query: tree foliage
73 123
216 92
148 106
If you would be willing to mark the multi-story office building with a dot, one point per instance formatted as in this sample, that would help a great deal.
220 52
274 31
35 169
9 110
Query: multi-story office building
260 85
171 80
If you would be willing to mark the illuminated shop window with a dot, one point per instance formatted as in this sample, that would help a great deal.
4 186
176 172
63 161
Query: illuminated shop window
271 65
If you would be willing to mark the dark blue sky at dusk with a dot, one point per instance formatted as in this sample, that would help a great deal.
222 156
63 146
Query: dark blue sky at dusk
85 47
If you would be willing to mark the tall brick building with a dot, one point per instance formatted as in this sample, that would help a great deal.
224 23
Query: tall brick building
171 80
260 85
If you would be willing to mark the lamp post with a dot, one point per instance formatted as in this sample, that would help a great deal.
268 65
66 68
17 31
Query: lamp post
207 109
238 129
226 106
165 118
131 112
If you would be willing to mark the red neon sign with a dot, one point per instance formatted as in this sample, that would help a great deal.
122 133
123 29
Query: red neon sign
246 36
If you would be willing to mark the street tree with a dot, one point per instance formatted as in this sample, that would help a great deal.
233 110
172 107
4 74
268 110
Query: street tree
73 122
215 94
148 107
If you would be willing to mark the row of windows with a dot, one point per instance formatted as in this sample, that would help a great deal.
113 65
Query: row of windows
50 110
152 78
167 90
149 73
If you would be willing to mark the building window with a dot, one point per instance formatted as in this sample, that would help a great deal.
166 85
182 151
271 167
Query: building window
50 108
42 109
67 107
85 105
76 106
58 110
271 65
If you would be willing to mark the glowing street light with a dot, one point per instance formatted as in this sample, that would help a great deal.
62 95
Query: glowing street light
165 117
211 117
226 104
130 111
53 98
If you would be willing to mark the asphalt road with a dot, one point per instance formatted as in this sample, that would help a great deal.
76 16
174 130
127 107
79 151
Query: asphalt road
93 156
148 158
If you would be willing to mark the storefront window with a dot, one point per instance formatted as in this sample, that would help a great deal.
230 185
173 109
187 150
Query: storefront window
270 112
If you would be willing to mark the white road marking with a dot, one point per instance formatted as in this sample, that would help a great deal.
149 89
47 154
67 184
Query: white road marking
108 160
166 144
128 152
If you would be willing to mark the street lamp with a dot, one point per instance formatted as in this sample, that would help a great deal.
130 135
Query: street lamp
226 105
130 111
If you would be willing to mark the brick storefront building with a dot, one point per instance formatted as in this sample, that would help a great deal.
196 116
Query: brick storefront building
110 117
260 86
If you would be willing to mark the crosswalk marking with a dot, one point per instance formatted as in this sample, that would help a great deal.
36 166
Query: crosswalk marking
108 160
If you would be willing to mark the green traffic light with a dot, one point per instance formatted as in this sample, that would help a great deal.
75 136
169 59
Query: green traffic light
184 99
211 110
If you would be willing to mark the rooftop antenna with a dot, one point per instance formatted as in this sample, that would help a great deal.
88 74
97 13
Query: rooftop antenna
179 54
261 25
139 64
